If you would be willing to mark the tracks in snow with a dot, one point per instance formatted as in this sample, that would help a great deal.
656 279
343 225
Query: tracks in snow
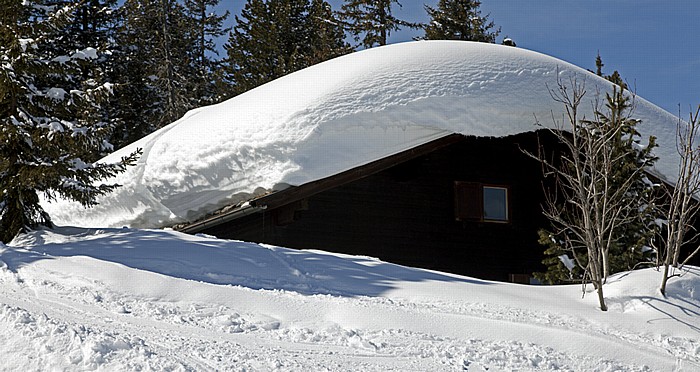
88 325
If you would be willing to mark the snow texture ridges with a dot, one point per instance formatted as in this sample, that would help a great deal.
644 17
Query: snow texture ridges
127 299
338 115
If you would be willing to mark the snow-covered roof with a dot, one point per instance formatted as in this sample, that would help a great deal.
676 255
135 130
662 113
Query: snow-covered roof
337 115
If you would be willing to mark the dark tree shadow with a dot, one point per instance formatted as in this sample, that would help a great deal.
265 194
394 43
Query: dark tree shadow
656 304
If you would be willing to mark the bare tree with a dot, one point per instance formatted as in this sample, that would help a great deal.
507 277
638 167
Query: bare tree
594 204
681 208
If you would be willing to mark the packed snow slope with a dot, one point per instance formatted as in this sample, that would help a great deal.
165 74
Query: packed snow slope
125 299
338 115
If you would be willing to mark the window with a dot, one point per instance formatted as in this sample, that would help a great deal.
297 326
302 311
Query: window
478 202
495 203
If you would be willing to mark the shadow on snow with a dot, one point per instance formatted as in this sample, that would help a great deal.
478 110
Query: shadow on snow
223 262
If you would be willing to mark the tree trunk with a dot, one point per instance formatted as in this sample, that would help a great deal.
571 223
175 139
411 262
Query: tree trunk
601 298
664 280
202 35
606 266
382 24
676 256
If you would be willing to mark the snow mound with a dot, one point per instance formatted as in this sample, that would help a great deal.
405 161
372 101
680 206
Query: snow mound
338 115
127 299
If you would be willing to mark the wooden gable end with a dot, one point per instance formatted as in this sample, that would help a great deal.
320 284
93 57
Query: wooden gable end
420 208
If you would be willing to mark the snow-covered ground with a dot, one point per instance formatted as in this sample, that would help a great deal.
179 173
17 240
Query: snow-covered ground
127 299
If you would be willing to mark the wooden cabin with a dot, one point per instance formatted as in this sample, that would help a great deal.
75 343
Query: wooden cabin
365 140
461 204
464 205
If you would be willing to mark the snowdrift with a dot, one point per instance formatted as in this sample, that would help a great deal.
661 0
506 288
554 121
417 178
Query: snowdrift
338 115
126 299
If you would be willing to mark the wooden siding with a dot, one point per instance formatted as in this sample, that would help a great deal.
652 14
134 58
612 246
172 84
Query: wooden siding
406 214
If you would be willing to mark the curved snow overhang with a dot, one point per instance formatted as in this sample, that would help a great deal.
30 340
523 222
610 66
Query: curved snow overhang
296 193
339 115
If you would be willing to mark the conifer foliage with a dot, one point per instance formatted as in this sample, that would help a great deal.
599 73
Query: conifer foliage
205 27
164 63
49 129
91 28
633 238
276 37
616 215
459 20
325 33
138 103
158 31
371 21
600 184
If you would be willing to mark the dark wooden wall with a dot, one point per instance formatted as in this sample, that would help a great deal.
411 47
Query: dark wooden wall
405 214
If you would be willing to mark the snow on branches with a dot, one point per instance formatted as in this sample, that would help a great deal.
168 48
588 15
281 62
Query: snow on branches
51 128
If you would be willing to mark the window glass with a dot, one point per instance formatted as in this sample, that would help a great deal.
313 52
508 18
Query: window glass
495 203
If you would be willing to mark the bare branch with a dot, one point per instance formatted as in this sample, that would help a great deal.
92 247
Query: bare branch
588 205
682 208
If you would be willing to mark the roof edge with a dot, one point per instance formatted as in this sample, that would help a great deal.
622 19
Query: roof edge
296 193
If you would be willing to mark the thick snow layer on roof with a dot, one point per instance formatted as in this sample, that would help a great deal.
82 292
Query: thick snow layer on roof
338 115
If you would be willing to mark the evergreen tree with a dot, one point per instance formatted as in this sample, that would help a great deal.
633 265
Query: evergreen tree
205 28
565 263
153 67
636 235
89 32
253 48
325 34
371 20
47 130
174 66
91 25
276 37
613 78
136 98
459 20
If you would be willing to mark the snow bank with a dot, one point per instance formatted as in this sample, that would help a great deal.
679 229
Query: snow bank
123 299
338 115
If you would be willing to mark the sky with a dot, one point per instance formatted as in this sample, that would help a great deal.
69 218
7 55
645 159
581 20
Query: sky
650 42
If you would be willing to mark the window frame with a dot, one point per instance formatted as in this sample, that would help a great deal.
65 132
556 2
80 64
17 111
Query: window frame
469 202
507 203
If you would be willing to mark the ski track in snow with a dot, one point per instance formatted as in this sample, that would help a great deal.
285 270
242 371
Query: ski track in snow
163 336
153 300
57 319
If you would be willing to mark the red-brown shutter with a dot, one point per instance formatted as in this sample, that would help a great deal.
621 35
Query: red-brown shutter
468 201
